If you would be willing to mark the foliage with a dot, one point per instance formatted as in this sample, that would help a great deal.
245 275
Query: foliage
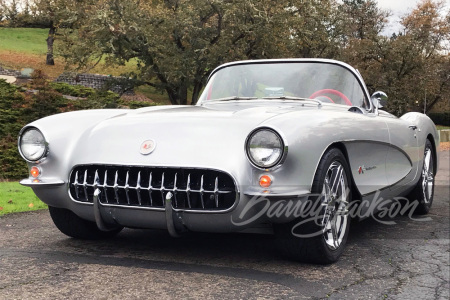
72 90
411 66
178 43
11 120
18 13
440 118
18 108
95 99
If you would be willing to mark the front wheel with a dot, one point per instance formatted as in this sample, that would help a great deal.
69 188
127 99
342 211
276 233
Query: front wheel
424 190
322 238
72 225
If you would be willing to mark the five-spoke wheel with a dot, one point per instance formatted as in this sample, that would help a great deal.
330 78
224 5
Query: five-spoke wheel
321 237
424 190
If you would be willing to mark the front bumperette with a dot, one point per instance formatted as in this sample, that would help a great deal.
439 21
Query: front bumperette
249 211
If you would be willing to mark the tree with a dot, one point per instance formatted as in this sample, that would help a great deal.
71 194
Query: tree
419 64
11 12
50 11
177 43
2 10
361 19
359 27
410 65
56 14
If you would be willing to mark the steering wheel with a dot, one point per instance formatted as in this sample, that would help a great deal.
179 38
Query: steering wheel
333 92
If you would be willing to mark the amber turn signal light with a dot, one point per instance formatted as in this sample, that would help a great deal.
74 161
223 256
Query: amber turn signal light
35 172
265 181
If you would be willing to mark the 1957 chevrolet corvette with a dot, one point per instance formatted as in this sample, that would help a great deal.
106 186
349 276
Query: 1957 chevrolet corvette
293 145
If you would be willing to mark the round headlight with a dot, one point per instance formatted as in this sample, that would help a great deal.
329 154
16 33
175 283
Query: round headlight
265 148
32 145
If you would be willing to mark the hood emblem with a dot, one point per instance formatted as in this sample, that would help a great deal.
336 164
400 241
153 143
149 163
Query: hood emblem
147 147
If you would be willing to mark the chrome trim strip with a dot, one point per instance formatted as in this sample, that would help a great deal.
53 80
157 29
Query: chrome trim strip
29 183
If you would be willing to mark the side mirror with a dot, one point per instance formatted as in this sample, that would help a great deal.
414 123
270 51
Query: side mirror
379 99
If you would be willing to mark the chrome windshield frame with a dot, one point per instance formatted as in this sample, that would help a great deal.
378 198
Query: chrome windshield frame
352 70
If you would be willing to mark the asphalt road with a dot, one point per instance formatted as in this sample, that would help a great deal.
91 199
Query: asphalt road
409 260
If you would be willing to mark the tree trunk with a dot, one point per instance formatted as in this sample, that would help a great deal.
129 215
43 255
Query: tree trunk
178 95
195 93
182 92
173 97
50 39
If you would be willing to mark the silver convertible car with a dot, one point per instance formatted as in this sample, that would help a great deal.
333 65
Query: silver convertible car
295 147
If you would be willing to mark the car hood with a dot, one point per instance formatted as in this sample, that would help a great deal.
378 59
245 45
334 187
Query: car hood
179 133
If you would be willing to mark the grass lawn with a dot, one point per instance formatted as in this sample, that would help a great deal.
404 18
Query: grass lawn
27 48
17 198
440 127
25 40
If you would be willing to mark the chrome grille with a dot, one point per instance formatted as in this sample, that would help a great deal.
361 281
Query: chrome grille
193 189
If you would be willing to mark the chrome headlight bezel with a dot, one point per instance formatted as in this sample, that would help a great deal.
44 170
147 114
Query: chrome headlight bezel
283 147
42 153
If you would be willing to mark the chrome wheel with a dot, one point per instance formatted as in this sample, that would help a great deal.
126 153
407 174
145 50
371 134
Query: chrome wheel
335 200
422 194
321 238
427 176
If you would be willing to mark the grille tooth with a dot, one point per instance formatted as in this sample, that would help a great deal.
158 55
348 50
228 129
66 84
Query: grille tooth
96 180
150 188
116 187
105 185
201 193
127 188
162 186
216 191
138 188
133 186
175 189
188 190
77 194
85 185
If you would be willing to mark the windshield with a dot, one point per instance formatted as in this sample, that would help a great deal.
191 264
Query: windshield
326 82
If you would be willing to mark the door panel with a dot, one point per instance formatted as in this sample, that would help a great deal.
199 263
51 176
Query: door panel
368 165
403 157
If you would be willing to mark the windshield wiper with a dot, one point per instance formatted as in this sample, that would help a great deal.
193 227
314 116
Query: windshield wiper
231 98
294 98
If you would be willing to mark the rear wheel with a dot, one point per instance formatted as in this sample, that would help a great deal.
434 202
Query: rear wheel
72 225
424 190
322 238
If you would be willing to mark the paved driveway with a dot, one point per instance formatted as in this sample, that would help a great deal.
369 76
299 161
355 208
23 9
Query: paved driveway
409 260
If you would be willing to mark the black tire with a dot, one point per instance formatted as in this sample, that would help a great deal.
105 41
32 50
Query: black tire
423 192
72 225
316 248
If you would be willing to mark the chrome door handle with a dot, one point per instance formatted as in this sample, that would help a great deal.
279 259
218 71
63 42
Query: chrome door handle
413 127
